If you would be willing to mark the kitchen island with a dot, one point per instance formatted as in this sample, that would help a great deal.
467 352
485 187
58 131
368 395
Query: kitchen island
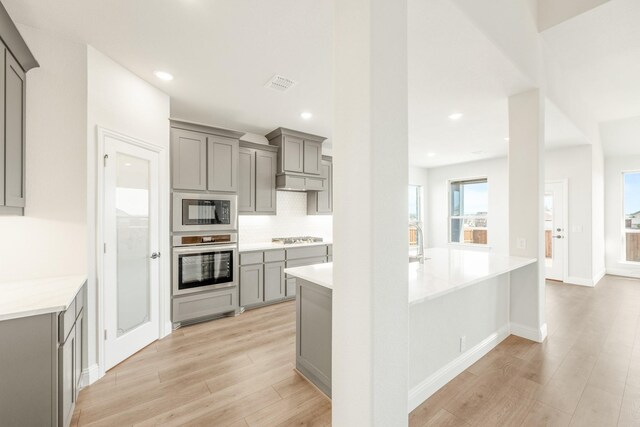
458 311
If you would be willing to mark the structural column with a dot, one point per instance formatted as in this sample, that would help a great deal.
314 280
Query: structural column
526 220
370 297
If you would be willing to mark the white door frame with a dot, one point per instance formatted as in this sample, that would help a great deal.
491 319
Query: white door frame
163 238
567 227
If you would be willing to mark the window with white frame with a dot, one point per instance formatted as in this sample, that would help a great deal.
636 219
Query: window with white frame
631 216
415 213
468 210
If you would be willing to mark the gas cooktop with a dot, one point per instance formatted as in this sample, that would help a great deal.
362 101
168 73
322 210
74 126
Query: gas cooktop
296 240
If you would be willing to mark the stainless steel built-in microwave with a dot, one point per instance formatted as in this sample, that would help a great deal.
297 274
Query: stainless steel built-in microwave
204 212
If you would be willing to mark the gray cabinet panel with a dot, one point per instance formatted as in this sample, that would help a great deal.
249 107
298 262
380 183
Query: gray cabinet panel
66 386
188 160
222 168
251 284
293 154
274 285
28 371
78 359
273 256
197 306
247 258
306 261
313 333
247 180
312 157
321 202
306 252
265 188
15 92
291 287
3 53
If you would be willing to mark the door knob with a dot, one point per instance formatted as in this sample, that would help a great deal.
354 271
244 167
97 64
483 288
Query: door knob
558 237
155 255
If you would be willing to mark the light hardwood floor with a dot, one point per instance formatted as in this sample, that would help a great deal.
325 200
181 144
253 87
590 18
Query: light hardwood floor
239 372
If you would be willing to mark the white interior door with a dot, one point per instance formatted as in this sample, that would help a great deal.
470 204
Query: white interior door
555 230
131 233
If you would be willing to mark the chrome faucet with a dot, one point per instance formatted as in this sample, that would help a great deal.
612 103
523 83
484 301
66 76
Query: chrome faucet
420 239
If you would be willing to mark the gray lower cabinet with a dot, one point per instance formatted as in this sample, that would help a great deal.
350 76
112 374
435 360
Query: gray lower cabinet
274 285
321 202
251 284
196 307
313 333
262 278
257 179
41 367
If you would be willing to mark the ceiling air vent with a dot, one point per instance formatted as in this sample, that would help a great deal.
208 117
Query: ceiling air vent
280 83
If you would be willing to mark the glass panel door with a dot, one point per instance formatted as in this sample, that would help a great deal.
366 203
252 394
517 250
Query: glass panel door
132 234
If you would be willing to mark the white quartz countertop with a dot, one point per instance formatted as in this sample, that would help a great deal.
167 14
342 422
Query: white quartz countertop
25 298
266 246
320 274
445 271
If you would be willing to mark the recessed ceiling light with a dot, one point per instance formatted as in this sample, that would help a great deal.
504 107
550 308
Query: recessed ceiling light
455 116
431 154
306 115
506 139
163 75
127 164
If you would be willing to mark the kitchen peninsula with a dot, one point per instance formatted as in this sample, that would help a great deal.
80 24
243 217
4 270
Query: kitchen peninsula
459 310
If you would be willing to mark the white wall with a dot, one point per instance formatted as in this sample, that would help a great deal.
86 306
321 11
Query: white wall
438 201
291 220
120 101
614 167
50 240
598 216
575 165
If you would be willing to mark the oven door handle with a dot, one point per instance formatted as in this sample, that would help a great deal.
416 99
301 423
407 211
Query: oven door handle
204 248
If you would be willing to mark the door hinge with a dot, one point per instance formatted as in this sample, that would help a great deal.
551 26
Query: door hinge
105 334
104 248
106 156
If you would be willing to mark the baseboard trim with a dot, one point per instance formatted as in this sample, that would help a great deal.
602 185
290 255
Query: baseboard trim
599 276
527 332
623 272
571 280
442 376
90 375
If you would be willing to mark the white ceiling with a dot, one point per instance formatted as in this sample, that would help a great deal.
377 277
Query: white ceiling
223 52
599 52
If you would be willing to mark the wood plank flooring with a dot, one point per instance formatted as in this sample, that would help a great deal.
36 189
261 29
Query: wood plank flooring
239 372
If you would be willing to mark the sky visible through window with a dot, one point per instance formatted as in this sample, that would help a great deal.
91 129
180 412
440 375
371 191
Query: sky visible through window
476 198
631 193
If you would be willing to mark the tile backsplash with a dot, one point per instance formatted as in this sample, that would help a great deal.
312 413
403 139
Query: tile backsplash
291 220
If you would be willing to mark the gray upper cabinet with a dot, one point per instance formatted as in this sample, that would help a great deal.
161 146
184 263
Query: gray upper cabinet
321 202
257 179
188 160
14 130
293 154
222 159
266 182
299 165
204 158
15 60
312 157
246 180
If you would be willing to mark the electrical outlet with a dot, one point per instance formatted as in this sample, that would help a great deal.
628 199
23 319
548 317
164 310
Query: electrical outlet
463 343
522 243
